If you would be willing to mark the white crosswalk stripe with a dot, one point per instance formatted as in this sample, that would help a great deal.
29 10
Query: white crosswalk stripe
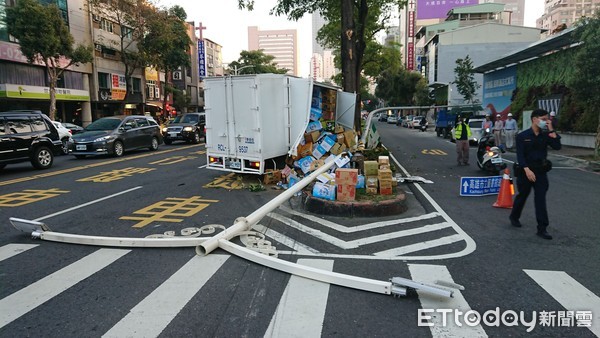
150 317
9 250
301 310
48 287
569 293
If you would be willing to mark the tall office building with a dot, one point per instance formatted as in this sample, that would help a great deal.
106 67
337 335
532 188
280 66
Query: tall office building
567 12
322 65
516 7
282 44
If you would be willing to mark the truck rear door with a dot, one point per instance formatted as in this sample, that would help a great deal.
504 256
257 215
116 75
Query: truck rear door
300 91
217 106
244 123
345 105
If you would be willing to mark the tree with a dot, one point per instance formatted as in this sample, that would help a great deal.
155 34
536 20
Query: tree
131 19
255 62
357 19
585 81
54 48
465 79
402 88
166 43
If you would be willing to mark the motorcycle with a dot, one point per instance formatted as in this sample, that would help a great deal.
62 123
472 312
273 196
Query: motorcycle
423 126
489 156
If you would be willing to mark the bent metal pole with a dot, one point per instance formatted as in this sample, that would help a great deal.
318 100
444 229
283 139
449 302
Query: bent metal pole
245 223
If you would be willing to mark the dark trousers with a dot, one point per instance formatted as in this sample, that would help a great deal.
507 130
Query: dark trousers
540 187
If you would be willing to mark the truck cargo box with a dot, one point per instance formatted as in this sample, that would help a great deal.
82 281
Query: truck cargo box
254 118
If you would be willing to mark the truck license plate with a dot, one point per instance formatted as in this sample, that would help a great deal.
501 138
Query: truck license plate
235 165
81 147
496 160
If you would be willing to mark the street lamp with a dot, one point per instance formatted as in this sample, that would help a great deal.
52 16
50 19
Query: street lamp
236 70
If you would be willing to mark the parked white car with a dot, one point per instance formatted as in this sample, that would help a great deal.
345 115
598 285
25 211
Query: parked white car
65 136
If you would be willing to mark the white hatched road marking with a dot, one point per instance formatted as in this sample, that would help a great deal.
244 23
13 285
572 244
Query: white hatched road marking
152 315
301 310
9 250
32 296
420 246
285 240
430 274
358 242
569 293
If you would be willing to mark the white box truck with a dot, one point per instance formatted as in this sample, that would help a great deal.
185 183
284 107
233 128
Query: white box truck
253 119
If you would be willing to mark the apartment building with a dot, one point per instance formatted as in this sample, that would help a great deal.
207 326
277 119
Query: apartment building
565 12
282 44
25 86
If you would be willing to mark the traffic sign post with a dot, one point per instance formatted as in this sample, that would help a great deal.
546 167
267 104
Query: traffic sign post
480 186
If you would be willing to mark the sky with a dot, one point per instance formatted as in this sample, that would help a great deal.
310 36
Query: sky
227 26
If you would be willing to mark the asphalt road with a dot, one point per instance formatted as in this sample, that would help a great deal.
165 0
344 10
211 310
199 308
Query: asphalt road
56 289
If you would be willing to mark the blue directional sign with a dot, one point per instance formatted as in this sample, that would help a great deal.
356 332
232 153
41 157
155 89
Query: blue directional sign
480 186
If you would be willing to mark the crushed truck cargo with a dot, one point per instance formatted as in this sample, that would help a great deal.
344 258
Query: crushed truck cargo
252 120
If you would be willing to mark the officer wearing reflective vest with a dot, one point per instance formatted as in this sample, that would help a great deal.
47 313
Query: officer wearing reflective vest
462 133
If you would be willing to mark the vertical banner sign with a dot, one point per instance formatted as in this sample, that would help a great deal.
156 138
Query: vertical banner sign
201 59
410 53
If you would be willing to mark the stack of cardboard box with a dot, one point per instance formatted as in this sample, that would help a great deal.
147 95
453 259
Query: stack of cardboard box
371 170
384 175
346 180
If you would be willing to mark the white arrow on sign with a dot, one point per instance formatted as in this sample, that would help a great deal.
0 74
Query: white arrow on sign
465 186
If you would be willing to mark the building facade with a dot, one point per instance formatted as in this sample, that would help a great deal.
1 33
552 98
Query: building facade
565 12
516 8
282 44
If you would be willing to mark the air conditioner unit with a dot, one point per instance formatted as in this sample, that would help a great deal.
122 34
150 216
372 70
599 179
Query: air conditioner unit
95 17
98 47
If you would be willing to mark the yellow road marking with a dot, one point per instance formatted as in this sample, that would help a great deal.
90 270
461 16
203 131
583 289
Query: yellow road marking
17 199
173 160
229 181
115 175
433 152
200 152
70 170
169 210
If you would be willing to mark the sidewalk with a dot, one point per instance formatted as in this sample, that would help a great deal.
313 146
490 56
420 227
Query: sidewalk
575 156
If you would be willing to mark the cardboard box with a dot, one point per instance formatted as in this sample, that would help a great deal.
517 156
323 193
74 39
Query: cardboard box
385 183
318 152
371 190
316 102
371 182
384 167
327 142
326 178
304 163
336 149
360 184
384 160
349 138
341 138
315 113
305 149
312 137
324 191
346 176
316 164
328 114
346 192
271 176
313 126
371 168
384 174
385 191
339 129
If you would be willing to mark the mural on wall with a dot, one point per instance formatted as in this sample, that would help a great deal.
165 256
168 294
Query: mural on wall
498 88
438 9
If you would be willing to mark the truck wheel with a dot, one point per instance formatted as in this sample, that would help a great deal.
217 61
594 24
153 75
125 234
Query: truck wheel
42 158
445 133
438 132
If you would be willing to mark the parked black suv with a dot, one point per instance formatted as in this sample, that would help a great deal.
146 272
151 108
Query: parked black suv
188 127
28 135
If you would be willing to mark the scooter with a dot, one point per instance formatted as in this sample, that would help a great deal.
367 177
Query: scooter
489 156
423 127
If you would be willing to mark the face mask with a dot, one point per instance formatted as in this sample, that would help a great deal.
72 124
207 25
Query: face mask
542 124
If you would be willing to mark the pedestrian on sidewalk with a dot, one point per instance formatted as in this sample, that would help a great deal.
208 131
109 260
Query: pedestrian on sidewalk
498 126
487 123
510 130
462 134
532 167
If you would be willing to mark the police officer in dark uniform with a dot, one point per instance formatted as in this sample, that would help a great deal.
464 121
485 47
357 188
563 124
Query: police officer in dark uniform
532 167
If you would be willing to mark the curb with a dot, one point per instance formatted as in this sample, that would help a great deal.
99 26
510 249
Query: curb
389 207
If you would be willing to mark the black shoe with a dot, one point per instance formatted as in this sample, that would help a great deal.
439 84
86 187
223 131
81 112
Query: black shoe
544 234
515 222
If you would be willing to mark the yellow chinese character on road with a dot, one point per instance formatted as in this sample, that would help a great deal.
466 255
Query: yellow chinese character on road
173 160
28 196
170 210
114 175
229 181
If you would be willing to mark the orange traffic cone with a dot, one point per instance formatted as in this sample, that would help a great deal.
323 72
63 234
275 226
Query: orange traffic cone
506 191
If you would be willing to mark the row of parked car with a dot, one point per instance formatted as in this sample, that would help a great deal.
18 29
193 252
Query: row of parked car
29 135
409 121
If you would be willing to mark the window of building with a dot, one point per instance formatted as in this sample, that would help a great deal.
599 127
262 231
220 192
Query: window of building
106 25
103 80
127 32
136 84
